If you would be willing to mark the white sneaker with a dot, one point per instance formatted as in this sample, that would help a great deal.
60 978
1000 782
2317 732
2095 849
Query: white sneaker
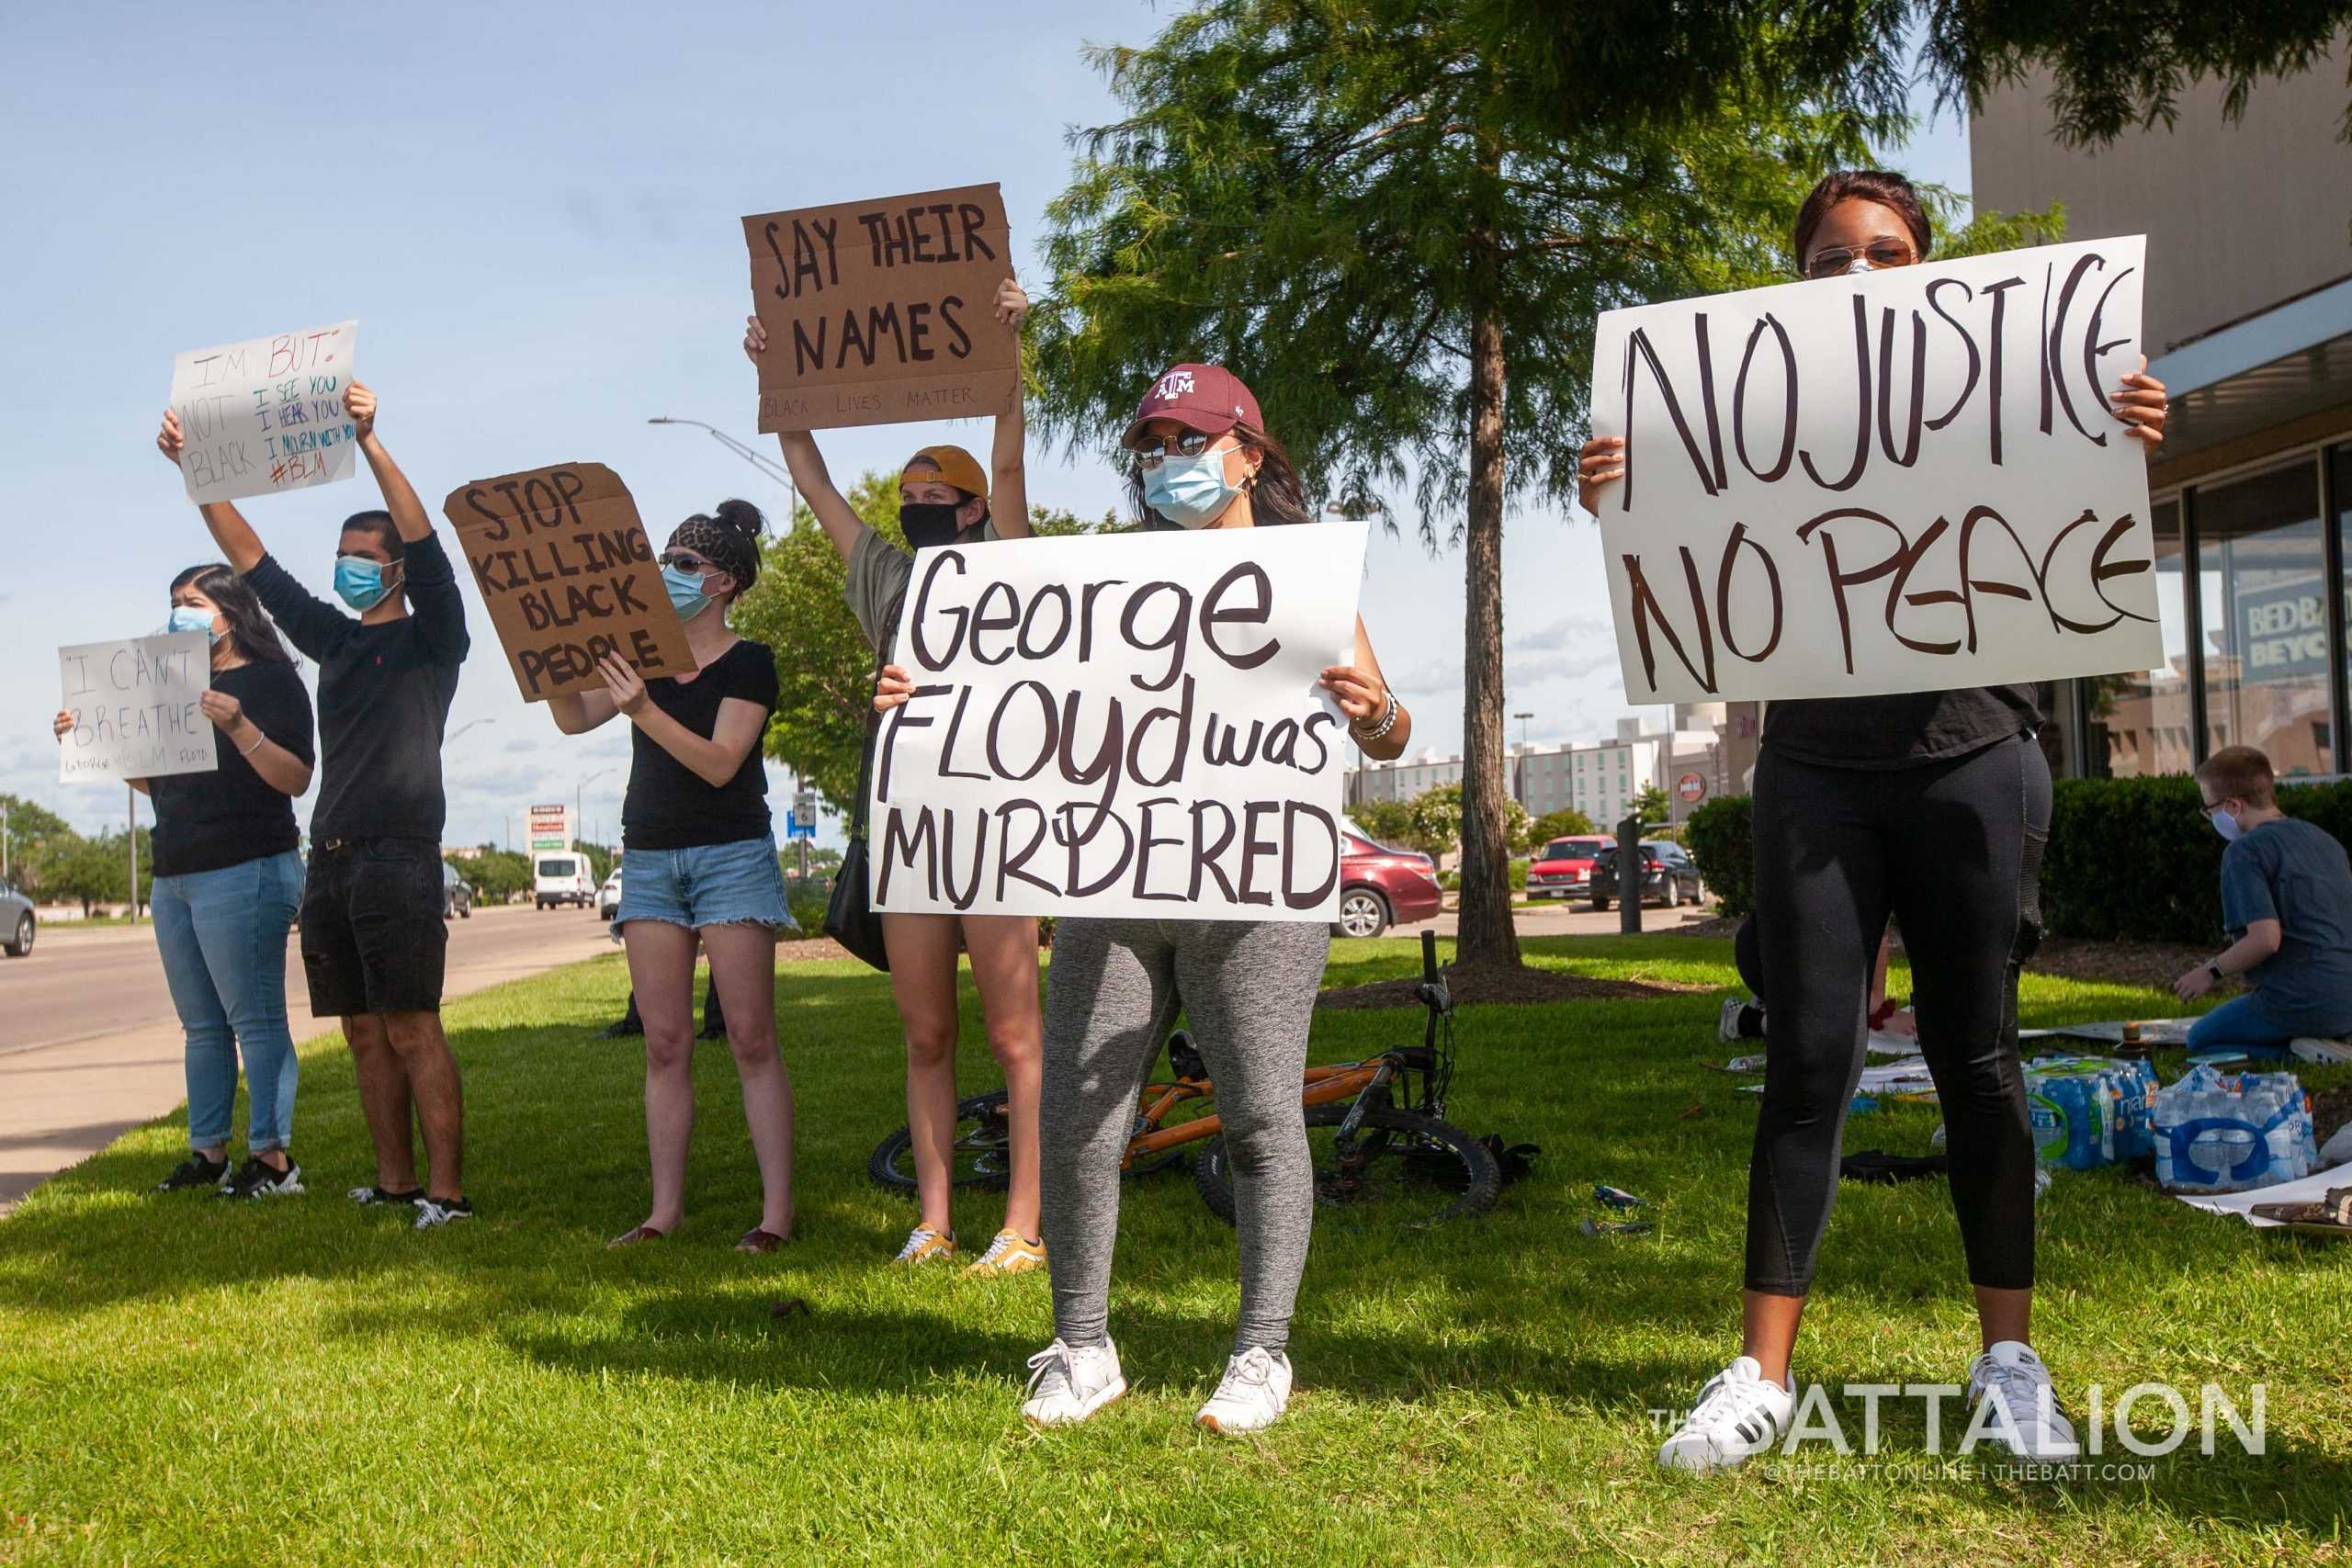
2034 1427
1068 1385
1728 1021
1253 1395
1740 1413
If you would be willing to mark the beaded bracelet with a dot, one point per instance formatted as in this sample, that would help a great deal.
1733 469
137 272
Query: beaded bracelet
1387 722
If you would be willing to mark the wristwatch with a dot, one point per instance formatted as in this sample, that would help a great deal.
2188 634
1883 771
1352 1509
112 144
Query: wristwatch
2215 970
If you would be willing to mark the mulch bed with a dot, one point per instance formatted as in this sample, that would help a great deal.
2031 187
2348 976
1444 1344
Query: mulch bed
2155 964
808 948
1488 984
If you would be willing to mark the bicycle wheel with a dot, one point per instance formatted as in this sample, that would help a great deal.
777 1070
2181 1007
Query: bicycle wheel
1409 1169
980 1158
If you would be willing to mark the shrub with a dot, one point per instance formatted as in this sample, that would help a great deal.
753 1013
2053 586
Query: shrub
1519 876
1569 823
806 897
1717 833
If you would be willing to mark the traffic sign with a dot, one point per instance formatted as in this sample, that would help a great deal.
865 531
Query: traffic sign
796 827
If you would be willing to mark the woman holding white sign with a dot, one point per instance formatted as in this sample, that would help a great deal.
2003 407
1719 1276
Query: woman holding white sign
699 865
228 881
1202 459
1933 807
945 497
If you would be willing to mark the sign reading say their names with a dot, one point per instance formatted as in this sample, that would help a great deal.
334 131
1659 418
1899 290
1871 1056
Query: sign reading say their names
884 312
568 574
135 707
1120 725
1906 480
266 415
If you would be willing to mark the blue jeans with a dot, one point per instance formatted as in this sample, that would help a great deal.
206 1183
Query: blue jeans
2238 1022
223 936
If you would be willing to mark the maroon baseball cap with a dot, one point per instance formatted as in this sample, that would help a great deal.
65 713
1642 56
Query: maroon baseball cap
1207 398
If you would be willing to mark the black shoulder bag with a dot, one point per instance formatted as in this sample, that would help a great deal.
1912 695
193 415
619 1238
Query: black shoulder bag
850 918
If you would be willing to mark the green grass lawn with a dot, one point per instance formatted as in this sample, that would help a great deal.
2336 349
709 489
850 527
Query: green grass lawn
299 1381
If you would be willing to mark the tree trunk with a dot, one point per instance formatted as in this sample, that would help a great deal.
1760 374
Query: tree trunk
1487 936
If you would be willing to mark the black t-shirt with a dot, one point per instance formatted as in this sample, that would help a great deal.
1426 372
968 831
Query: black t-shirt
211 821
669 805
384 696
1898 732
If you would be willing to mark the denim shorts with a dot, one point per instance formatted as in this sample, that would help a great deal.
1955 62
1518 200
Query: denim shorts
711 884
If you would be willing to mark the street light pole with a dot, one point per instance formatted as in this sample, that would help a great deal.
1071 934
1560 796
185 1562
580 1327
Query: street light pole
759 460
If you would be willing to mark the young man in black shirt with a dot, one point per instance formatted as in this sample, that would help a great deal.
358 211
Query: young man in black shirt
373 942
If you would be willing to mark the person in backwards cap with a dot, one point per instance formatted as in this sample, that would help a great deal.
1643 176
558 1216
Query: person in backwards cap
945 497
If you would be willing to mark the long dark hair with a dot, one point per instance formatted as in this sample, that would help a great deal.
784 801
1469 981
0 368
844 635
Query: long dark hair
249 626
1276 492
1889 190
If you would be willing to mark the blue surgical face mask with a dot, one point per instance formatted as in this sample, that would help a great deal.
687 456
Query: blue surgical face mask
188 619
1189 491
687 596
2224 824
359 582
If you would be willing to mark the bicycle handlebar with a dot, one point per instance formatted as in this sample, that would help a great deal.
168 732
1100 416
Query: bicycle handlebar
1428 956
1432 992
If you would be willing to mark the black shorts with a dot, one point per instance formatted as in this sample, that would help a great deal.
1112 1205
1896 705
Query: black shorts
373 939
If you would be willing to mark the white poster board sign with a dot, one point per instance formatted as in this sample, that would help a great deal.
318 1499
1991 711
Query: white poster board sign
1122 725
1908 480
134 708
266 415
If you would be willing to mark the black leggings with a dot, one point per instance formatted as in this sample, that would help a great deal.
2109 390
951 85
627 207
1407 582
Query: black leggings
1952 850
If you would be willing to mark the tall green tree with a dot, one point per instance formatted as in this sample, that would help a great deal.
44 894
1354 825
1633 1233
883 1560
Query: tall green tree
824 667
29 826
1369 210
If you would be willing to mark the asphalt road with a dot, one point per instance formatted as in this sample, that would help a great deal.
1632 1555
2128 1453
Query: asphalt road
90 1047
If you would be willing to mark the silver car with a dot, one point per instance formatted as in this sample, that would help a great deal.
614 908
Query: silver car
16 922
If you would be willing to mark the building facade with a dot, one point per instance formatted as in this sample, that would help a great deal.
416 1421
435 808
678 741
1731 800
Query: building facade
2249 326
1598 780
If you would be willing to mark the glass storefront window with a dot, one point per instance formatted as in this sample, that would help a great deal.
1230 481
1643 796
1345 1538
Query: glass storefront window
2261 576
2140 721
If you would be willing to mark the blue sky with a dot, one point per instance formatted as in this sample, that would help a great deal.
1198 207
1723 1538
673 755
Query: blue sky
531 210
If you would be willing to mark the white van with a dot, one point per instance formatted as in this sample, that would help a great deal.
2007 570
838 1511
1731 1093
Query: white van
561 877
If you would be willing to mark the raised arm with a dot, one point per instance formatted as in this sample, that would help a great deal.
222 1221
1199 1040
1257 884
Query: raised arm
238 542
1008 478
431 581
810 477
400 497
1362 694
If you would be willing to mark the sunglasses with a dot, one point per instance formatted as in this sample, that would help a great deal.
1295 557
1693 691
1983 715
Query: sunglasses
683 562
1835 261
1151 451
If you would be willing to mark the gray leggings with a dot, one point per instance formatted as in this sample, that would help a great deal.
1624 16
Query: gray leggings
1247 990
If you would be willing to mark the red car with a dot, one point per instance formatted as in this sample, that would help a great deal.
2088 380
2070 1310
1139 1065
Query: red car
1563 868
1380 887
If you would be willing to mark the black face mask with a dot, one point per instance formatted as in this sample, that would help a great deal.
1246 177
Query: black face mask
928 523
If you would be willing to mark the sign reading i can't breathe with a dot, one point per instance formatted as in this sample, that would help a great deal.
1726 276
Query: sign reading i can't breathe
135 709
1124 725
883 312
266 415
567 572
1908 481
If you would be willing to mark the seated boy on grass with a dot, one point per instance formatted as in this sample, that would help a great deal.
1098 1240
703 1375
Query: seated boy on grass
2287 897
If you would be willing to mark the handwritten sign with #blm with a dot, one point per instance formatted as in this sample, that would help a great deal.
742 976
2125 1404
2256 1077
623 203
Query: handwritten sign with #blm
1908 481
266 415
568 575
883 312
1120 726
134 708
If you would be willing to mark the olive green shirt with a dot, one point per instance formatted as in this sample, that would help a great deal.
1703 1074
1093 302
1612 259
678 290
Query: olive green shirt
878 574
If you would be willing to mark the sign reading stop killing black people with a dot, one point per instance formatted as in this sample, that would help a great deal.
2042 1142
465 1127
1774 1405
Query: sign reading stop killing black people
568 574
1122 724
1908 480
883 312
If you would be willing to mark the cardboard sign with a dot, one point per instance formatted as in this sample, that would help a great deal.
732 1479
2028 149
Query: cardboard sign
883 312
1908 480
1126 725
568 574
266 415
134 708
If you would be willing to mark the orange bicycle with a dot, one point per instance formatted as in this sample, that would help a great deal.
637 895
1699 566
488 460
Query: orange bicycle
1376 1129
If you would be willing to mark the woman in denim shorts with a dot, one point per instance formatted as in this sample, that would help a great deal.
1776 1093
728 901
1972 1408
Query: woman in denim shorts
700 864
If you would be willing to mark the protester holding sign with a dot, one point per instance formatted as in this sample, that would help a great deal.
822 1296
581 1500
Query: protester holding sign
1202 459
228 880
373 944
945 497
699 865
1933 806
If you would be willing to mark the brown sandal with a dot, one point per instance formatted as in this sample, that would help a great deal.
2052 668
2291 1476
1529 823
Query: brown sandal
642 1233
758 1240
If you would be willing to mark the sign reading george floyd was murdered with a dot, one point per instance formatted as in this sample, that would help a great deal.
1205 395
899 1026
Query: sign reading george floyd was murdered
883 312
1908 481
1123 725
136 709
565 568
266 415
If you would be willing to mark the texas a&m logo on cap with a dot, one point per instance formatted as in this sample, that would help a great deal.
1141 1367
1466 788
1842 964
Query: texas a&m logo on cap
1175 384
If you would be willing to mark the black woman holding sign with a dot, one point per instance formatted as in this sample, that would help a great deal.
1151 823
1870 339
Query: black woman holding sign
1932 807
1202 459
699 865
945 497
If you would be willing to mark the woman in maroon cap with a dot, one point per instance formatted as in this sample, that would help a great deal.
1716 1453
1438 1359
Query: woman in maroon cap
1202 459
